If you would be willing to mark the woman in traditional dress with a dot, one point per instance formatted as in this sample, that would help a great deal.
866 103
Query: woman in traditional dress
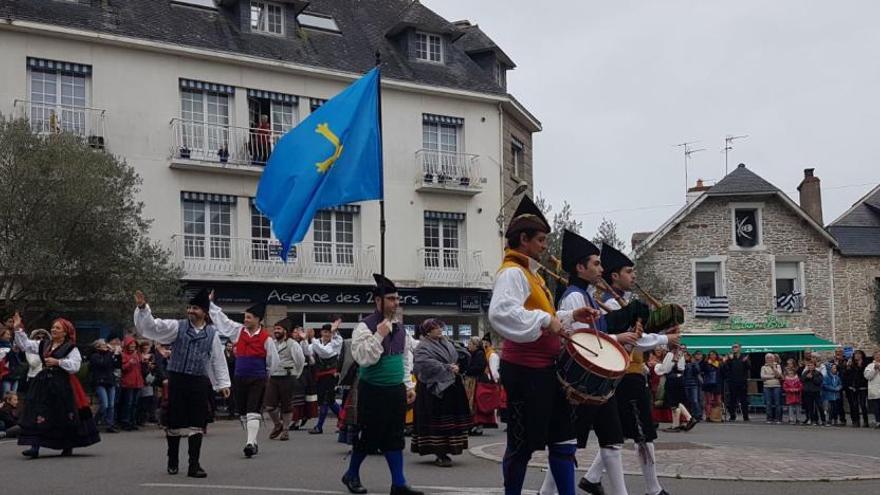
56 412
442 414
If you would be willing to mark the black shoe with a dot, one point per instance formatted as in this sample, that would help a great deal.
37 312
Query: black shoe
690 425
663 492
404 490
112 429
316 431
173 454
443 461
590 487
196 471
67 452
33 454
354 486
250 450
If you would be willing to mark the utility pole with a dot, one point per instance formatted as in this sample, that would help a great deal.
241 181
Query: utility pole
688 151
727 147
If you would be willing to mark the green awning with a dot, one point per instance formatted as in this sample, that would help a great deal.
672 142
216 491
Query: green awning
756 342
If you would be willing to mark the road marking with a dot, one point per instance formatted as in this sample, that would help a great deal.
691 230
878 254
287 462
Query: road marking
447 490
8 441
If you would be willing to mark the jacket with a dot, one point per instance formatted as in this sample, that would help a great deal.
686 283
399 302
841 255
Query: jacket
792 387
812 383
872 375
692 375
132 376
769 375
831 387
101 366
711 376
857 373
737 370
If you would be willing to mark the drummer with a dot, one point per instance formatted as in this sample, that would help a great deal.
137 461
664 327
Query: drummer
522 312
632 396
581 260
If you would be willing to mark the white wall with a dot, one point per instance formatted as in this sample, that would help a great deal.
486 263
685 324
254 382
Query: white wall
139 89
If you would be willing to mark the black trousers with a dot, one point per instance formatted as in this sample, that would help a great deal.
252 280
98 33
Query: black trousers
812 405
858 403
738 396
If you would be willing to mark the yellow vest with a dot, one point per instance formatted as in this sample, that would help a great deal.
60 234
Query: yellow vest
636 363
539 295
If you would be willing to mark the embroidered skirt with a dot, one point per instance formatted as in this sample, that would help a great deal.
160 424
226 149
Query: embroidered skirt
441 423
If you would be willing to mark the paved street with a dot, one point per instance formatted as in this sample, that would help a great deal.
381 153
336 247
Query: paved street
133 463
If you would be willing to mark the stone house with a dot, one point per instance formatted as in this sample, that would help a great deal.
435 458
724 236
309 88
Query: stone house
749 264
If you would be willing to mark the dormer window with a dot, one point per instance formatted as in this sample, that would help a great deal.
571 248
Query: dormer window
429 47
318 21
500 74
267 17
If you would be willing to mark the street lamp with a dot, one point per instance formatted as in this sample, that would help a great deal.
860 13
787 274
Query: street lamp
520 188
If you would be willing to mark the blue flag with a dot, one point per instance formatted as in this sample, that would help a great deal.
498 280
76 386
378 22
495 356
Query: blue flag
332 158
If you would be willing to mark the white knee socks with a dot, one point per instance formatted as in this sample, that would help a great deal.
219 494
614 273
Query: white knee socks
594 474
649 471
548 487
613 463
253 427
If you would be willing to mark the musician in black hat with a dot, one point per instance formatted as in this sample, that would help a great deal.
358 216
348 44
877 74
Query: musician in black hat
383 350
197 363
522 313
255 358
580 259
632 395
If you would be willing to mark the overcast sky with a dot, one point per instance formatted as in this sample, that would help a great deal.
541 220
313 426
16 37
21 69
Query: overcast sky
618 84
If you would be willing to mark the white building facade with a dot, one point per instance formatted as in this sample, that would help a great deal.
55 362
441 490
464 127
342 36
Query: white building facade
198 123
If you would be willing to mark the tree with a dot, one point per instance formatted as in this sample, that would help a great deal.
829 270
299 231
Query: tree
72 235
608 234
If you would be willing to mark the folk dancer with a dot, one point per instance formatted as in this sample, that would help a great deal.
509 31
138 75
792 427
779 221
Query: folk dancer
197 365
326 352
278 402
521 312
56 411
633 395
255 357
383 351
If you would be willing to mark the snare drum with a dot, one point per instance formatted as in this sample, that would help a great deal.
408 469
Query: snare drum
589 379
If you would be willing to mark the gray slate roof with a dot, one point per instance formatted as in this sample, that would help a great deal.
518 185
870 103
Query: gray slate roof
858 230
366 26
475 40
741 181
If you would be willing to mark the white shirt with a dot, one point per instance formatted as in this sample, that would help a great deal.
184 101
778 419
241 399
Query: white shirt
70 363
165 332
232 331
328 350
366 349
495 366
666 366
506 312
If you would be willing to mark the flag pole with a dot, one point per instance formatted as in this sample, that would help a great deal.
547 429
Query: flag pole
381 178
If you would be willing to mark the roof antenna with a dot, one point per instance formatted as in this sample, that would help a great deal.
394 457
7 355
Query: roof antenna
688 151
727 147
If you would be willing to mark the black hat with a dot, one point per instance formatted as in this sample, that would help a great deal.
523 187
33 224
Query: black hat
613 260
286 324
258 310
574 250
201 300
384 286
527 216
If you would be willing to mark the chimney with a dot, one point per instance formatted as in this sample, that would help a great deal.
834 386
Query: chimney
811 196
694 192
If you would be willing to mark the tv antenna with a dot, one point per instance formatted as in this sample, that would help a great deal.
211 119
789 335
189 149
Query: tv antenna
688 151
727 147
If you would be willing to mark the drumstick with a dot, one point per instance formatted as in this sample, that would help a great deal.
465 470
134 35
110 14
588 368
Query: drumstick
575 342
593 325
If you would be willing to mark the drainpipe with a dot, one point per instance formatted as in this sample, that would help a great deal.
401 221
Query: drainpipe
831 284
501 165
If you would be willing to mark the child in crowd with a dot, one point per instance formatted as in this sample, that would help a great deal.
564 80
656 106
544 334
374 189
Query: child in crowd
811 397
792 387
831 387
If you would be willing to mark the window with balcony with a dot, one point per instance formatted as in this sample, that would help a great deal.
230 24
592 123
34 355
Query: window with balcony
207 226
203 131
264 245
59 97
267 17
428 47
271 115
443 240
441 156
788 281
333 235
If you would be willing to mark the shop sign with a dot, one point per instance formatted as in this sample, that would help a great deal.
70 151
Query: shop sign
771 321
